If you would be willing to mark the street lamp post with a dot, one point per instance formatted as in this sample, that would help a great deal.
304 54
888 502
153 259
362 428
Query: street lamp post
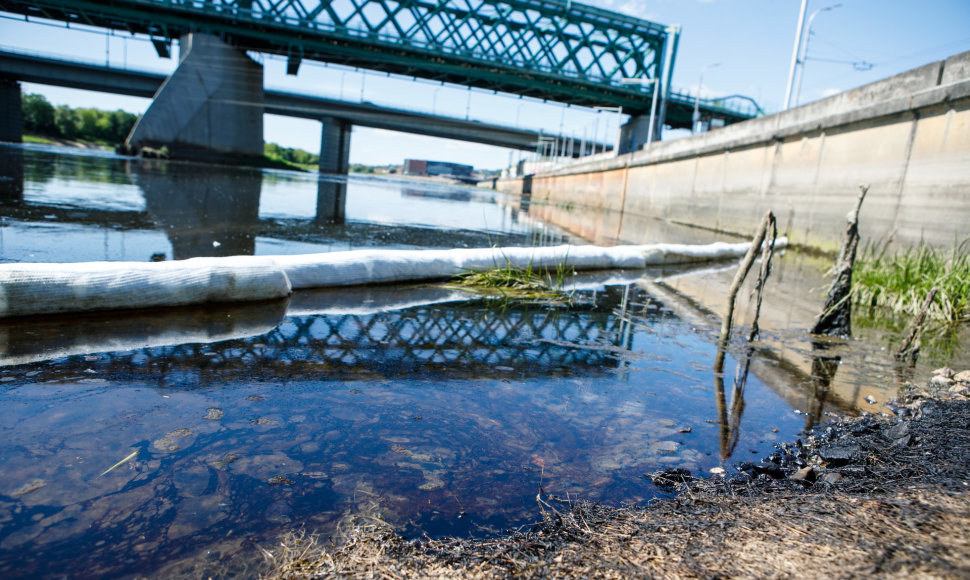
434 101
794 53
808 36
696 117
619 116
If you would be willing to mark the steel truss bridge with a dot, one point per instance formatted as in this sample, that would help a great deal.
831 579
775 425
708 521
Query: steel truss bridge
555 50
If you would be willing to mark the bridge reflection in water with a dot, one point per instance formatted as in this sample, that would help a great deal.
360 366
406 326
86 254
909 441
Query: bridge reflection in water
346 334
203 210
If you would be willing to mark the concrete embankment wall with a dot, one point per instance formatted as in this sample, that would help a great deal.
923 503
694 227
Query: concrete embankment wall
907 137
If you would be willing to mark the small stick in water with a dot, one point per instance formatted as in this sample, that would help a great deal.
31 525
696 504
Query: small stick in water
911 346
120 463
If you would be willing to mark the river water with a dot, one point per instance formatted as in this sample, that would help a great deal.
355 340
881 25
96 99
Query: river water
183 442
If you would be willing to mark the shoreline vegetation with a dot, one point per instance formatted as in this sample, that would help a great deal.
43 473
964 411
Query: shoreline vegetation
899 281
882 495
90 128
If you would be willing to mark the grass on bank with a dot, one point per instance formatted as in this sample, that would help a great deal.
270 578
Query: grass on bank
36 140
900 282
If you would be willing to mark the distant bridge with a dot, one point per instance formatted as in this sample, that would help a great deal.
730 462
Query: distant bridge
548 49
91 77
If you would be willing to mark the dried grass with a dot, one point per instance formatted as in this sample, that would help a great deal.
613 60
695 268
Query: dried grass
912 533
905 513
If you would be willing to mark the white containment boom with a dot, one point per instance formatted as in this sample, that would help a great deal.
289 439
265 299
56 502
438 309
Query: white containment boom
36 288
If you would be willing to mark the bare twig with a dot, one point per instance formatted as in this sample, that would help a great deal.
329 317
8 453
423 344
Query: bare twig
911 345
836 316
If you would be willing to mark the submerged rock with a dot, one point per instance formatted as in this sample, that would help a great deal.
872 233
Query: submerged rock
213 414
29 487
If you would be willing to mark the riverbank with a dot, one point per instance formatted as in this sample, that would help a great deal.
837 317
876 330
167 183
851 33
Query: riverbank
879 495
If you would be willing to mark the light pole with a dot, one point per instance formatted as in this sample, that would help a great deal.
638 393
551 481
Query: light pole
653 101
794 53
619 115
434 101
697 97
808 36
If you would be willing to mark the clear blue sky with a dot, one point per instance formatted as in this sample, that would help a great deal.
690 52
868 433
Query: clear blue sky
743 46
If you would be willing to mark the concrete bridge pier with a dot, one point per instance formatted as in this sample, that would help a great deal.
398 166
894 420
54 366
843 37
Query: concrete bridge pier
11 112
211 108
334 159
634 133
334 146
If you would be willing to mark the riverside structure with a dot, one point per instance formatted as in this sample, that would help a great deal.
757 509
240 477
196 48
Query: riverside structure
907 137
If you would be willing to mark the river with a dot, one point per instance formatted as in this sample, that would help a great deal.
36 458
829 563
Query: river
183 442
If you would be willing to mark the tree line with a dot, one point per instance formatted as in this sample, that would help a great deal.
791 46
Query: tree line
112 128
84 124
291 155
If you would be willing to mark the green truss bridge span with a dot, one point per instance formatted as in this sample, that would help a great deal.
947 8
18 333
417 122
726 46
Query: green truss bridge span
555 50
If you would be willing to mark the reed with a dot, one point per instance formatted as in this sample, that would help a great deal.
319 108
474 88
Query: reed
900 281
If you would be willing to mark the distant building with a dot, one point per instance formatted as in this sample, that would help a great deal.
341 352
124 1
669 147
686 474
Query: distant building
437 168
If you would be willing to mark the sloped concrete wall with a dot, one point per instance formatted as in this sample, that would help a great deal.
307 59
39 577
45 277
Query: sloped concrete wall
211 108
907 137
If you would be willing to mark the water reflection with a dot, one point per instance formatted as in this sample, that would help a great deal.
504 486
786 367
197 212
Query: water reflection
65 205
448 407
331 201
11 176
205 210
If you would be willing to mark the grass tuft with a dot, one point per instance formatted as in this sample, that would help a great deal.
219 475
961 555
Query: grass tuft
900 282
511 281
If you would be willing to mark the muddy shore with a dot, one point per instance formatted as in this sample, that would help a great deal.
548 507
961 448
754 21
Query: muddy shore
883 495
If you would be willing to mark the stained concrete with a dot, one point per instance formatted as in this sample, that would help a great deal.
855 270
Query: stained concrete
211 108
907 137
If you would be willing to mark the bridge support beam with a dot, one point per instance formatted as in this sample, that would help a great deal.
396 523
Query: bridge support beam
211 108
633 134
334 146
11 112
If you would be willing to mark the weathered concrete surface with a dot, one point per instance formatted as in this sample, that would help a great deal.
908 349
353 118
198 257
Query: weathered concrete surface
334 145
908 137
11 112
211 107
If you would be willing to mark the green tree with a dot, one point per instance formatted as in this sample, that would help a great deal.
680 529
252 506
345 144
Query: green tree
38 114
67 122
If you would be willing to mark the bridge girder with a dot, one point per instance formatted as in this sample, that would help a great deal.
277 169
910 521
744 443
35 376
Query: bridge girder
547 49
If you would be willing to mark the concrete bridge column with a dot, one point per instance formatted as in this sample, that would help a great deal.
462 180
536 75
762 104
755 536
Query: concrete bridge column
11 112
633 135
334 159
211 108
334 146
